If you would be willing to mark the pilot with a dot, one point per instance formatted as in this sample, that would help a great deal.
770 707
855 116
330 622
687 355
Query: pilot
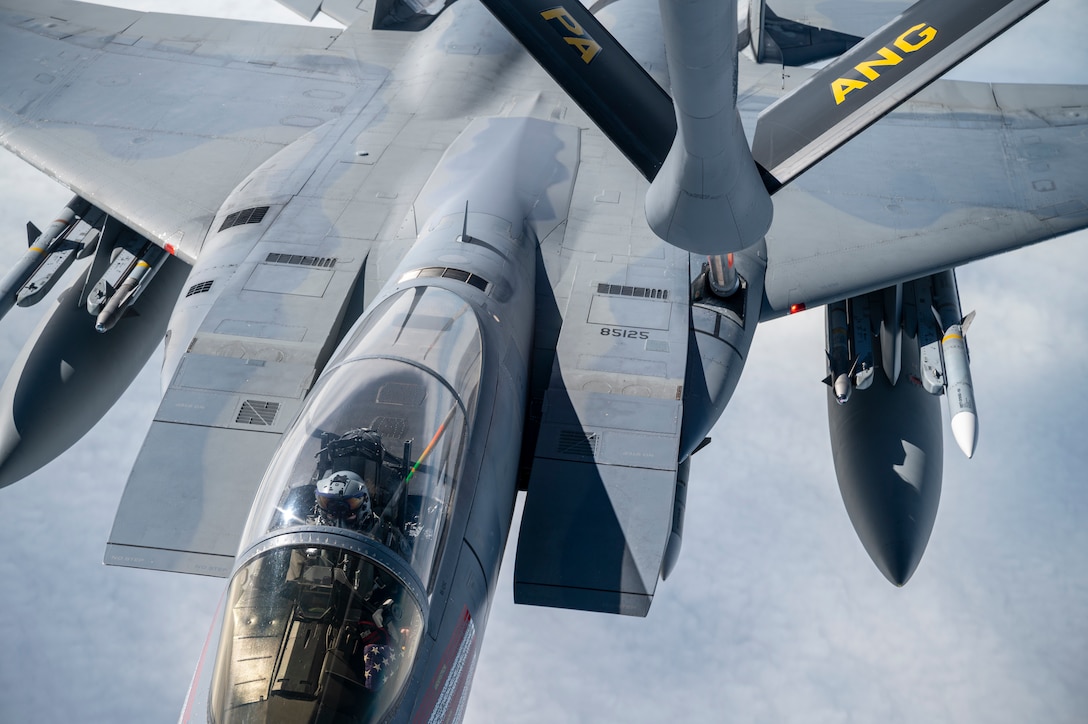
343 501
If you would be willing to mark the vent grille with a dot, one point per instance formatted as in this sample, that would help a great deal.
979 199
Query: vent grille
257 412
390 428
246 216
578 442
449 273
199 288
324 262
623 291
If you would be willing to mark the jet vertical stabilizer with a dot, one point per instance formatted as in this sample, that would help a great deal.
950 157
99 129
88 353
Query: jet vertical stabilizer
708 197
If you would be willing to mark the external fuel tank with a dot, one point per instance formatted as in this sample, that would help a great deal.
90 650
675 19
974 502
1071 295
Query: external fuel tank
889 459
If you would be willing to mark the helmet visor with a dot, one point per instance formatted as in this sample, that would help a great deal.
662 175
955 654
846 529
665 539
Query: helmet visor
340 505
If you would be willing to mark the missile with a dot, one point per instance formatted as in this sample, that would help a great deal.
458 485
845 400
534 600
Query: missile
840 370
57 262
120 267
862 342
958 387
957 369
39 249
137 280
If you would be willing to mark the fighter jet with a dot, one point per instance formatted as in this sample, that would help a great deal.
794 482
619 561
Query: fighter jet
404 269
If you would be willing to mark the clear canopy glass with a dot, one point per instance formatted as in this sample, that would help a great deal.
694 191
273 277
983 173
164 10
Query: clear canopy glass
379 446
313 634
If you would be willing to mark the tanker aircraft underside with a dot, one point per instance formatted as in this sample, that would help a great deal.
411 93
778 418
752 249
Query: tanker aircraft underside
459 249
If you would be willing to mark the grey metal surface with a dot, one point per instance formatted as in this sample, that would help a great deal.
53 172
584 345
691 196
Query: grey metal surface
600 496
708 197
961 172
92 94
234 392
721 334
598 542
185 515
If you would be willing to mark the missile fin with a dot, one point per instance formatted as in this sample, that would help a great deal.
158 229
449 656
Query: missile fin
967 321
32 233
90 244
854 367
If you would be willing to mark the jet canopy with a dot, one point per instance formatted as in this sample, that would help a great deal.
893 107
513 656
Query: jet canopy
313 633
325 613
378 449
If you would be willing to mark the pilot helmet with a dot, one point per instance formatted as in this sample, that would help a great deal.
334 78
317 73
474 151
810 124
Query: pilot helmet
343 494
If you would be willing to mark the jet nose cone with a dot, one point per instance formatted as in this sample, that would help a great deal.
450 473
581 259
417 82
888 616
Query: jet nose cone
965 430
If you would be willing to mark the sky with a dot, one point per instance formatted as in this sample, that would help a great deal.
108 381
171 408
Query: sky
774 612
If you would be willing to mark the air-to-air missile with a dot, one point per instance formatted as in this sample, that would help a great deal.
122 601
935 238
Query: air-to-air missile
43 245
840 368
849 348
72 246
958 388
139 275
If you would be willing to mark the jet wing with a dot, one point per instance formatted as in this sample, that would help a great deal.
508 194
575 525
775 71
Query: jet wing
183 108
961 172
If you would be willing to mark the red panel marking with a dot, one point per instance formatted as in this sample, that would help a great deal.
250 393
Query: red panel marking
426 711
